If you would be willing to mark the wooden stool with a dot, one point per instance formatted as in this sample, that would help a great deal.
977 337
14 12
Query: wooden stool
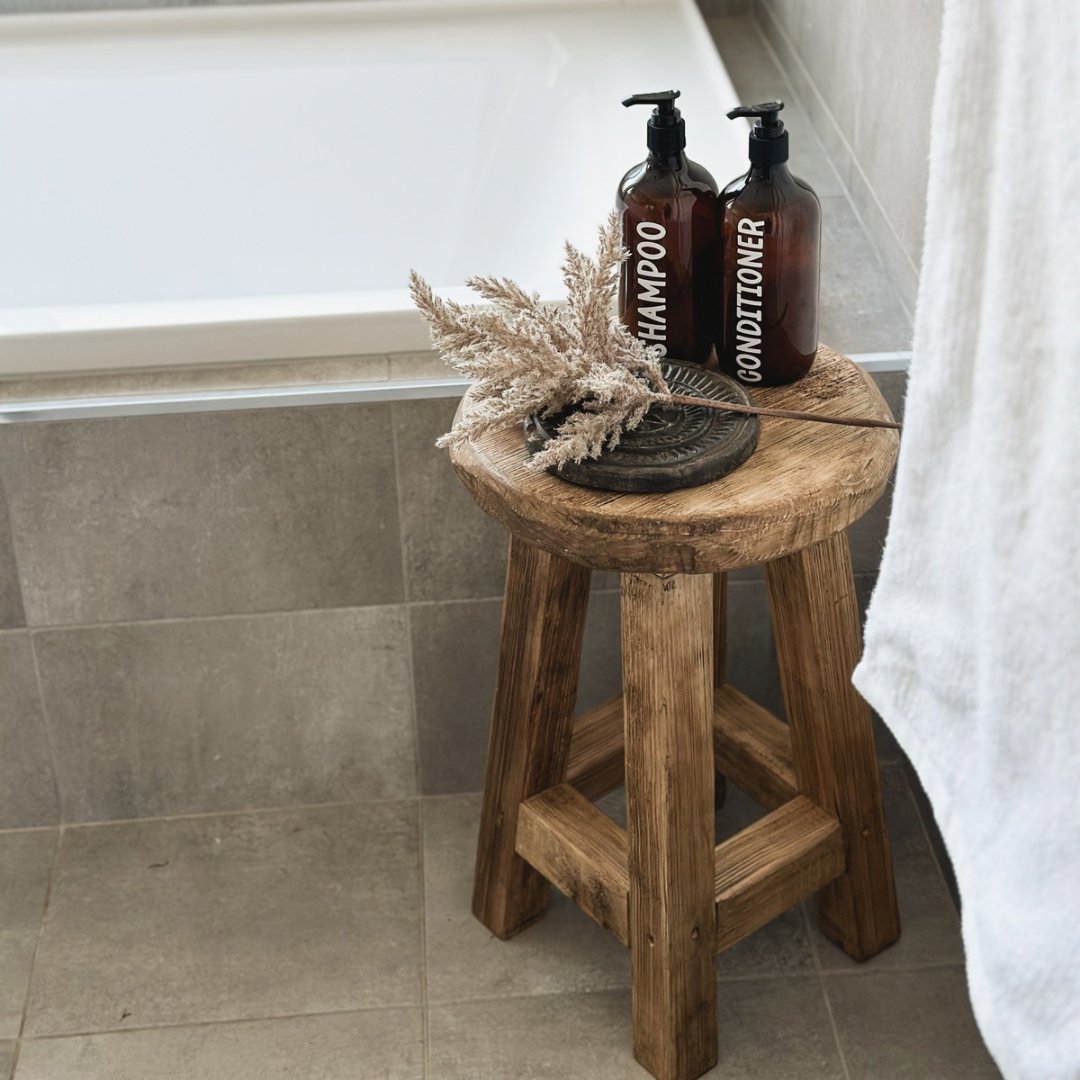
662 887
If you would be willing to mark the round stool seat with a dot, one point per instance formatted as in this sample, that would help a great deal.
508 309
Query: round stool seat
805 482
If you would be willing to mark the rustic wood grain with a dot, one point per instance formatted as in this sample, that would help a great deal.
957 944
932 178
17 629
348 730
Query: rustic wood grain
816 622
773 864
581 851
719 672
668 687
719 630
596 750
539 652
804 482
753 748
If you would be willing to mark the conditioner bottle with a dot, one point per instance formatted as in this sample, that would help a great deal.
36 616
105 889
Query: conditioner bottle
668 203
770 243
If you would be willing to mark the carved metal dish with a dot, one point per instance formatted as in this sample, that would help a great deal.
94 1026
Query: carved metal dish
675 446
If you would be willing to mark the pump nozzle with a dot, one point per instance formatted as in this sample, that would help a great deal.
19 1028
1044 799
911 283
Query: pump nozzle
664 100
666 132
768 139
768 115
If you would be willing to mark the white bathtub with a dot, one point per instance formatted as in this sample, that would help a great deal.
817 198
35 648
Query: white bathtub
211 185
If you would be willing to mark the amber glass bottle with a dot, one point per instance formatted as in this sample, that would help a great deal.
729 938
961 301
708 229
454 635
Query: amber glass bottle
668 203
770 223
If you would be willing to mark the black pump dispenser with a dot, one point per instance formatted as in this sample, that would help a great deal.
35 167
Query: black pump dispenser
768 139
666 133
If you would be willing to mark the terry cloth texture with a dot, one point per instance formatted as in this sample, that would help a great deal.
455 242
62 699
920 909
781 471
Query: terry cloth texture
973 635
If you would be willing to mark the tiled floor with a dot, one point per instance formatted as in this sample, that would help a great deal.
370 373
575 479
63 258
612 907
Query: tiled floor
336 943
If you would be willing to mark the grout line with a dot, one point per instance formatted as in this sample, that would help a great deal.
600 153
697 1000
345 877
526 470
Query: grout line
91 1032
722 980
864 972
50 628
786 88
834 1027
815 952
828 115
298 808
29 829
37 946
203 814
417 769
812 934
500 597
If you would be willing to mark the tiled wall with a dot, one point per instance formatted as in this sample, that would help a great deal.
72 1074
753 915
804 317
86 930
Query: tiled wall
865 73
266 608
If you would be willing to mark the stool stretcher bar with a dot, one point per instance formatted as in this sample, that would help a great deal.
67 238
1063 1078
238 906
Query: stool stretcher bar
752 749
781 859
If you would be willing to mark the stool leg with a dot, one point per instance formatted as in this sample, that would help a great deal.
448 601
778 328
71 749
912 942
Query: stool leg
816 623
667 651
539 652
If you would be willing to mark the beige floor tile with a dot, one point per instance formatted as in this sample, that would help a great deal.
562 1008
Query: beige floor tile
911 1025
236 917
565 951
930 925
377 1045
26 860
7 1057
769 1029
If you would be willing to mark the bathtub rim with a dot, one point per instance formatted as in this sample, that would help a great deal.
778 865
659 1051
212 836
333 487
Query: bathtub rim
45 408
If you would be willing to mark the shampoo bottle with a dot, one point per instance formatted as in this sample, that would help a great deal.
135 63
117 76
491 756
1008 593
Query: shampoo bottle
770 242
668 203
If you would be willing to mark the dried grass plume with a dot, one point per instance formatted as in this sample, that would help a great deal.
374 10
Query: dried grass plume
527 357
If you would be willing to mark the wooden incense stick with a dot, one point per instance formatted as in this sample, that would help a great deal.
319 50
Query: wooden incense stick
786 414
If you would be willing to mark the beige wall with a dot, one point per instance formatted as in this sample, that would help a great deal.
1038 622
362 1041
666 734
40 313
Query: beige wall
865 71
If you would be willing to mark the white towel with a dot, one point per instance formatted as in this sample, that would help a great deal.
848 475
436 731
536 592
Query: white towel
973 635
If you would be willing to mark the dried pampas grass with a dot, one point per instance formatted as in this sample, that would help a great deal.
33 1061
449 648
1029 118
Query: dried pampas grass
527 357
531 358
